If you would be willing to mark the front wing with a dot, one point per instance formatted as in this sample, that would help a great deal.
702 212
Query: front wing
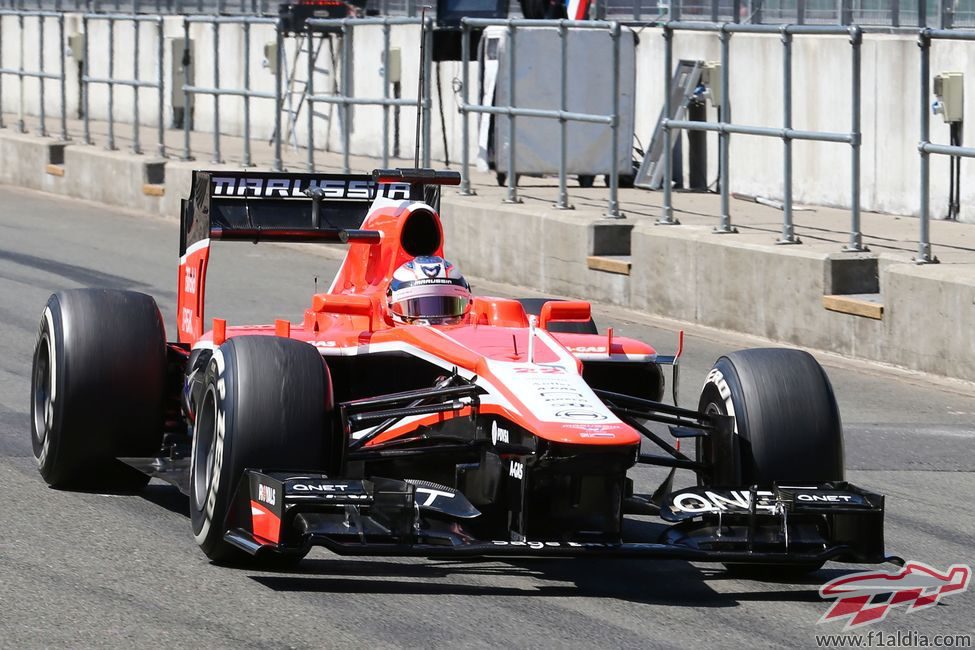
286 513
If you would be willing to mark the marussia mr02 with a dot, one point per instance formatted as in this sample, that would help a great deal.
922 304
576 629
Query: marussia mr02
403 415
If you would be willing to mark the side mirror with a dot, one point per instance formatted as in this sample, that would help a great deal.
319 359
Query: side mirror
343 304
564 310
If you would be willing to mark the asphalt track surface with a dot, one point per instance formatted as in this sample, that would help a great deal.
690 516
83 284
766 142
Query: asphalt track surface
86 569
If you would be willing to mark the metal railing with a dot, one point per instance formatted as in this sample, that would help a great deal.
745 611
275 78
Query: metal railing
786 132
925 146
43 75
345 98
512 111
217 91
171 7
136 84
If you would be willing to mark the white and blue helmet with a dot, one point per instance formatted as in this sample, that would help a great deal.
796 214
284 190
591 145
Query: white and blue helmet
429 289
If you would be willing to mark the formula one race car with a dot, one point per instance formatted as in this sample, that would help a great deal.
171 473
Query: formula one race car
404 416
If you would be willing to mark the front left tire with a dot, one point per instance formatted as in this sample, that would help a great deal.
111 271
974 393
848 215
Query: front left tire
266 404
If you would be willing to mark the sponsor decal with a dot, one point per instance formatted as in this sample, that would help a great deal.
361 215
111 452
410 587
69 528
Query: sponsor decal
587 349
318 487
540 370
516 470
189 280
294 188
266 494
186 320
708 501
432 495
867 597
498 434
537 546
597 434
324 344
580 414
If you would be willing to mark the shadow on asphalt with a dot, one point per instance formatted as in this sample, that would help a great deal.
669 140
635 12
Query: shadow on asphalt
648 582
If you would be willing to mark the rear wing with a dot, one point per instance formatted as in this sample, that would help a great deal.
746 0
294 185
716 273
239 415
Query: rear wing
281 206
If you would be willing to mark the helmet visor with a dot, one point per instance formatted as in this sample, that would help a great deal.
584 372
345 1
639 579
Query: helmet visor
427 307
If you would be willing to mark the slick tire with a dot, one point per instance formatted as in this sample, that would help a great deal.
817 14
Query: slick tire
266 404
97 388
533 307
787 422
786 417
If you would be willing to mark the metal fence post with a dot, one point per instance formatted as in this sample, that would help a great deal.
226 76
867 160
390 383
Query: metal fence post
136 32
512 176
613 210
386 30
247 99
947 14
216 96
856 237
85 86
41 80
667 209
801 12
895 13
465 116
715 14
187 112
922 13
724 137
736 10
278 90
756 17
346 90
20 78
62 82
2 125
160 90
427 93
310 108
563 203
846 12
788 229
111 85
924 239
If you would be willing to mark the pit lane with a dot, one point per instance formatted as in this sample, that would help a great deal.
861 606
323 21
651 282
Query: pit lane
84 569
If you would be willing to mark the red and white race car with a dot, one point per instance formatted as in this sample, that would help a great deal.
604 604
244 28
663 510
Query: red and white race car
403 415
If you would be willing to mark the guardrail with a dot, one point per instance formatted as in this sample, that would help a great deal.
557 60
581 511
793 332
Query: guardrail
786 133
247 93
512 111
136 84
345 99
42 75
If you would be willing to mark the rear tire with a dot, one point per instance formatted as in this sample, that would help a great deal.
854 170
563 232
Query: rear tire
533 307
266 404
97 388
786 419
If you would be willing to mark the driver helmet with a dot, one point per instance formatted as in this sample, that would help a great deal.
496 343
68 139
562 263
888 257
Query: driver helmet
428 289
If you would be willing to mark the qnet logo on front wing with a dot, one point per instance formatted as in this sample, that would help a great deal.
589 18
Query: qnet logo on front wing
868 596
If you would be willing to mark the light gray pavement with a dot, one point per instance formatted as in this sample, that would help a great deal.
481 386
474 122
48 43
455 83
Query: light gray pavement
90 570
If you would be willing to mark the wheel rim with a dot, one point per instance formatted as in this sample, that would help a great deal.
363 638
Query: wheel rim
43 390
204 443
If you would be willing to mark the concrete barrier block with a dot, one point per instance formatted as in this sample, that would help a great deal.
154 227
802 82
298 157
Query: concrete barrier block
664 271
27 159
930 310
112 177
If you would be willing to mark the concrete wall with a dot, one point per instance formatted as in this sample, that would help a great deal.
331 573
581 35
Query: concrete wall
822 80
